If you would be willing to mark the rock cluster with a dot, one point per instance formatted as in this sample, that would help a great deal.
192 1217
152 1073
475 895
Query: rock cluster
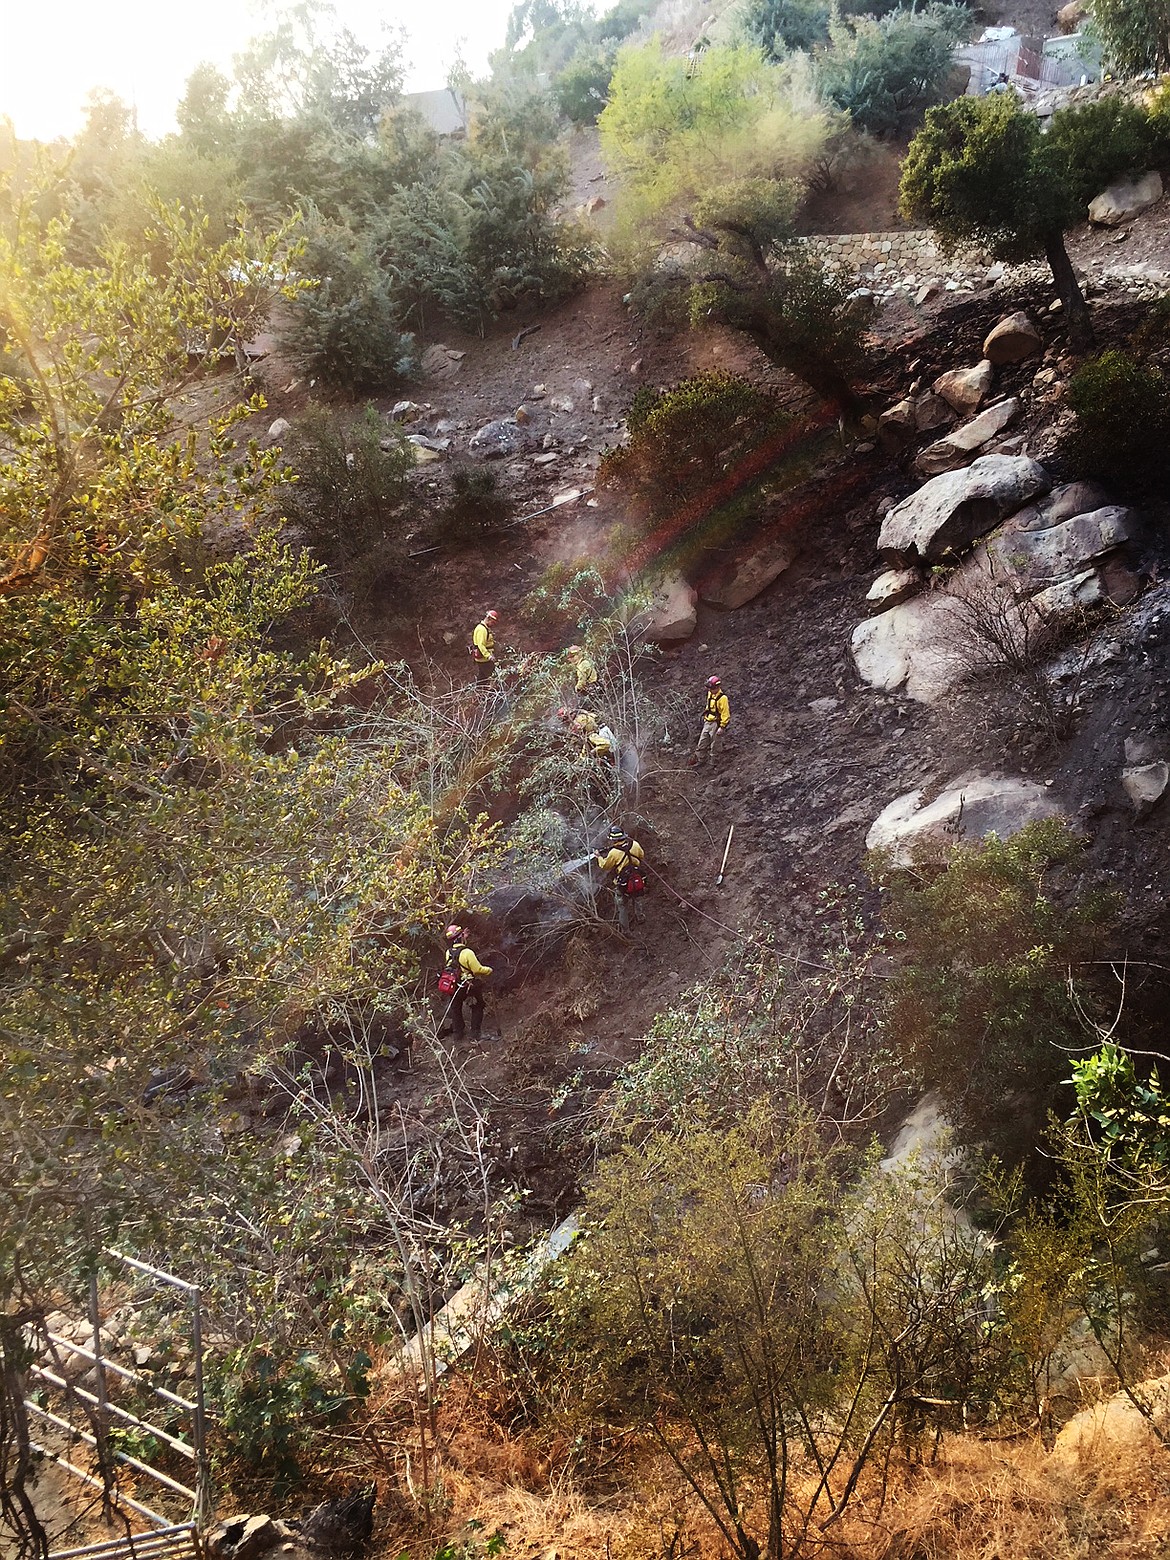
1027 554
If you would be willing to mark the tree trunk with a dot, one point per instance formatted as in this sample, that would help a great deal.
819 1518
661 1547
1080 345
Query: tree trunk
1080 324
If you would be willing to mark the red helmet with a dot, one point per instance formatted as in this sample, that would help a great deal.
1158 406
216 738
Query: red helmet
573 650
454 931
490 617
713 682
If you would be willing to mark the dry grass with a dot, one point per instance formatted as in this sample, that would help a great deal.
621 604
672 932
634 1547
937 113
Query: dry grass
978 1500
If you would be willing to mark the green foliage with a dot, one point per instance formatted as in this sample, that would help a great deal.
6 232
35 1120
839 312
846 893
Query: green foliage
271 1410
769 1028
197 867
976 174
883 74
345 330
583 86
719 160
671 137
685 439
1131 1114
1135 33
745 1304
474 505
1087 147
991 992
778 26
1122 423
350 494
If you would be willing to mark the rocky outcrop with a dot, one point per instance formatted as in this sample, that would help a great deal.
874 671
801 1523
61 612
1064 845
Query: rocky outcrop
965 389
1012 340
932 411
672 615
911 830
907 647
763 563
1125 199
1048 564
1034 556
279 430
959 446
951 511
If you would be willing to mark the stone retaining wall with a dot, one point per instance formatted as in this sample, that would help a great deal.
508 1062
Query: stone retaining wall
901 250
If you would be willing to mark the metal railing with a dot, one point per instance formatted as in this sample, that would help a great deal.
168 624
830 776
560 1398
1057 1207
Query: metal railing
198 1493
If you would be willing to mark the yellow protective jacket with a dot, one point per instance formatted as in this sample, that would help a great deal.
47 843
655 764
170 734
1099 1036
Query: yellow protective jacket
586 673
470 965
717 707
615 859
483 642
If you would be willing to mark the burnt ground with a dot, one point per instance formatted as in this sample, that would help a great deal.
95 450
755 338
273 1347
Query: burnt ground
815 754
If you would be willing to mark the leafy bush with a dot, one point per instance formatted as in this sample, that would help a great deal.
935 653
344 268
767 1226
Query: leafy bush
1122 419
988 1001
583 86
346 330
1089 146
780 26
475 505
883 74
684 439
349 492
1136 33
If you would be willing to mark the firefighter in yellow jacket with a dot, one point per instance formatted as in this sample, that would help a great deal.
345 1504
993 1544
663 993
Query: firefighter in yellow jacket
470 974
622 864
584 668
716 716
483 648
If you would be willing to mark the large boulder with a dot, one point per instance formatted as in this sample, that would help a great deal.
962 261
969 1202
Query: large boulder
965 389
908 648
1125 199
1036 557
957 448
1070 17
1012 340
764 562
949 512
911 829
498 439
672 615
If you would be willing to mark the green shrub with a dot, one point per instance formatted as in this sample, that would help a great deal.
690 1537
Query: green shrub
346 330
780 26
1136 33
989 999
350 492
1122 423
474 507
885 74
583 86
684 439
1089 146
